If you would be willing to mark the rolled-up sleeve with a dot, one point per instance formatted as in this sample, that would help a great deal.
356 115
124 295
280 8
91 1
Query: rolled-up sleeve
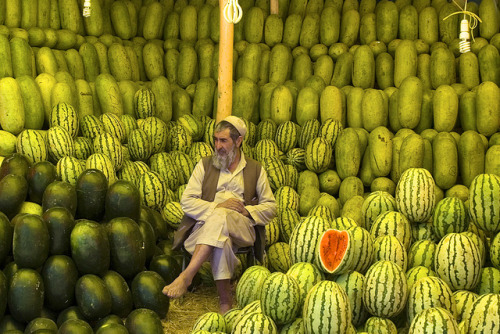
265 210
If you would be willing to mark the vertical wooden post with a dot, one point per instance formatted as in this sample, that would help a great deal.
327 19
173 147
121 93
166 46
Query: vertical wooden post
274 6
225 81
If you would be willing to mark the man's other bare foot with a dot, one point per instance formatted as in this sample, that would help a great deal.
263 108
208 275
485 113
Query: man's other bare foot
178 287
224 307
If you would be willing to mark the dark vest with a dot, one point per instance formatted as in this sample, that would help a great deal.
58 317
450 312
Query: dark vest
251 173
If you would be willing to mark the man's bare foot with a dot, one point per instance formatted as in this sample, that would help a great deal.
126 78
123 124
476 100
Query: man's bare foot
178 287
224 307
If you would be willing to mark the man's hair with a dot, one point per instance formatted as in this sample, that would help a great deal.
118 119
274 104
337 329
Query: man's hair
233 132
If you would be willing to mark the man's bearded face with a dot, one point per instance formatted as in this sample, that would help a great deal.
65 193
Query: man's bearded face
223 158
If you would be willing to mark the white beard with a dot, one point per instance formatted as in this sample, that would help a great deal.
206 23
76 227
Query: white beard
224 160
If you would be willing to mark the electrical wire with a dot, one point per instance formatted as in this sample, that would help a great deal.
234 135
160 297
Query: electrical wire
466 27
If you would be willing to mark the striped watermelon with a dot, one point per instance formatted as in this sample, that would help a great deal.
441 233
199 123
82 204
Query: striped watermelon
421 253
489 281
288 218
292 175
297 158
480 243
330 130
199 150
152 189
156 130
286 198
104 164
211 322
318 155
464 300
307 275
272 232
208 134
295 327
142 167
83 147
178 193
163 163
449 216
193 125
353 284
430 292
321 211
266 129
129 124
144 105
178 139
375 204
415 194
250 284
59 143
380 325
423 231
305 237
484 316
129 172
495 251
416 273
172 214
458 261
65 116
250 137
392 223
276 173
230 316
255 323
32 145
278 255
184 165
389 248
434 320
110 146
385 290
265 148
139 145
484 202
114 125
91 126
69 169
362 247
280 298
326 309
333 254
309 131
343 223
286 136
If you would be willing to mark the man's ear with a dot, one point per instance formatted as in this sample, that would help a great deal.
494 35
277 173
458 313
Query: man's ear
239 141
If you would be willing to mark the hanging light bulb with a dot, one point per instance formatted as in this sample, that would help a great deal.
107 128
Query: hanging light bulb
232 11
86 8
465 28
464 44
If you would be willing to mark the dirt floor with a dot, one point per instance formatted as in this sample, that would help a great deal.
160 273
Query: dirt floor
183 312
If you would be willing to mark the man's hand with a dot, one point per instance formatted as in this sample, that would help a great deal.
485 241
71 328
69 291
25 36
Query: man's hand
234 204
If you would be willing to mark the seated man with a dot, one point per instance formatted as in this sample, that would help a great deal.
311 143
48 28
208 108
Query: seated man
226 196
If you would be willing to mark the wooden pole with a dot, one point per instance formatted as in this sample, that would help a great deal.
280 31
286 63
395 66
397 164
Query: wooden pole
225 81
274 6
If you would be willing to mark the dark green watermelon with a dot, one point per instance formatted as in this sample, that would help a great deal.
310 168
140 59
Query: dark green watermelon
60 223
121 296
30 241
146 288
40 175
15 163
122 200
13 192
144 321
91 188
60 274
6 232
25 297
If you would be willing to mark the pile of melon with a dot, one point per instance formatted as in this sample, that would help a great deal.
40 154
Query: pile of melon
348 105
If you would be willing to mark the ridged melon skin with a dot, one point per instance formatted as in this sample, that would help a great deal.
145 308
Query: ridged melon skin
415 194
211 322
352 283
438 316
484 315
280 297
484 202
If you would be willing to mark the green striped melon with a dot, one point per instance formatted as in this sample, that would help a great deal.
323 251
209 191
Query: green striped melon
287 136
484 316
139 145
230 316
362 247
423 231
489 281
193 125
318 155
326 309
292 175
265 148
142 167
380 325
275 170
156 130
128 172
211 322
389 248
458 261
484 202
91 126
184 165
208 134
250 284
305 237
430 292
480 243
152 189
250 137
286 198
114 125
83 147
104 164
178 193
321 211
59 143
375 204
495 251
110 146
415 194
297 158
330 130
199 150
386 289
353 284
392 223
172 214
129 124
272 232
449 216
278 255
255 323
307 275
416 273
421 253
69 169
288 218
333 254
32 145
65 116
294 327
247 150
343 223
280 298
464 300
309 131
266 129
178 139
164 165
144 105
434 320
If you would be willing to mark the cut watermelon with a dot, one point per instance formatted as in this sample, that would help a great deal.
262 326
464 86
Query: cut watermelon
332 249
